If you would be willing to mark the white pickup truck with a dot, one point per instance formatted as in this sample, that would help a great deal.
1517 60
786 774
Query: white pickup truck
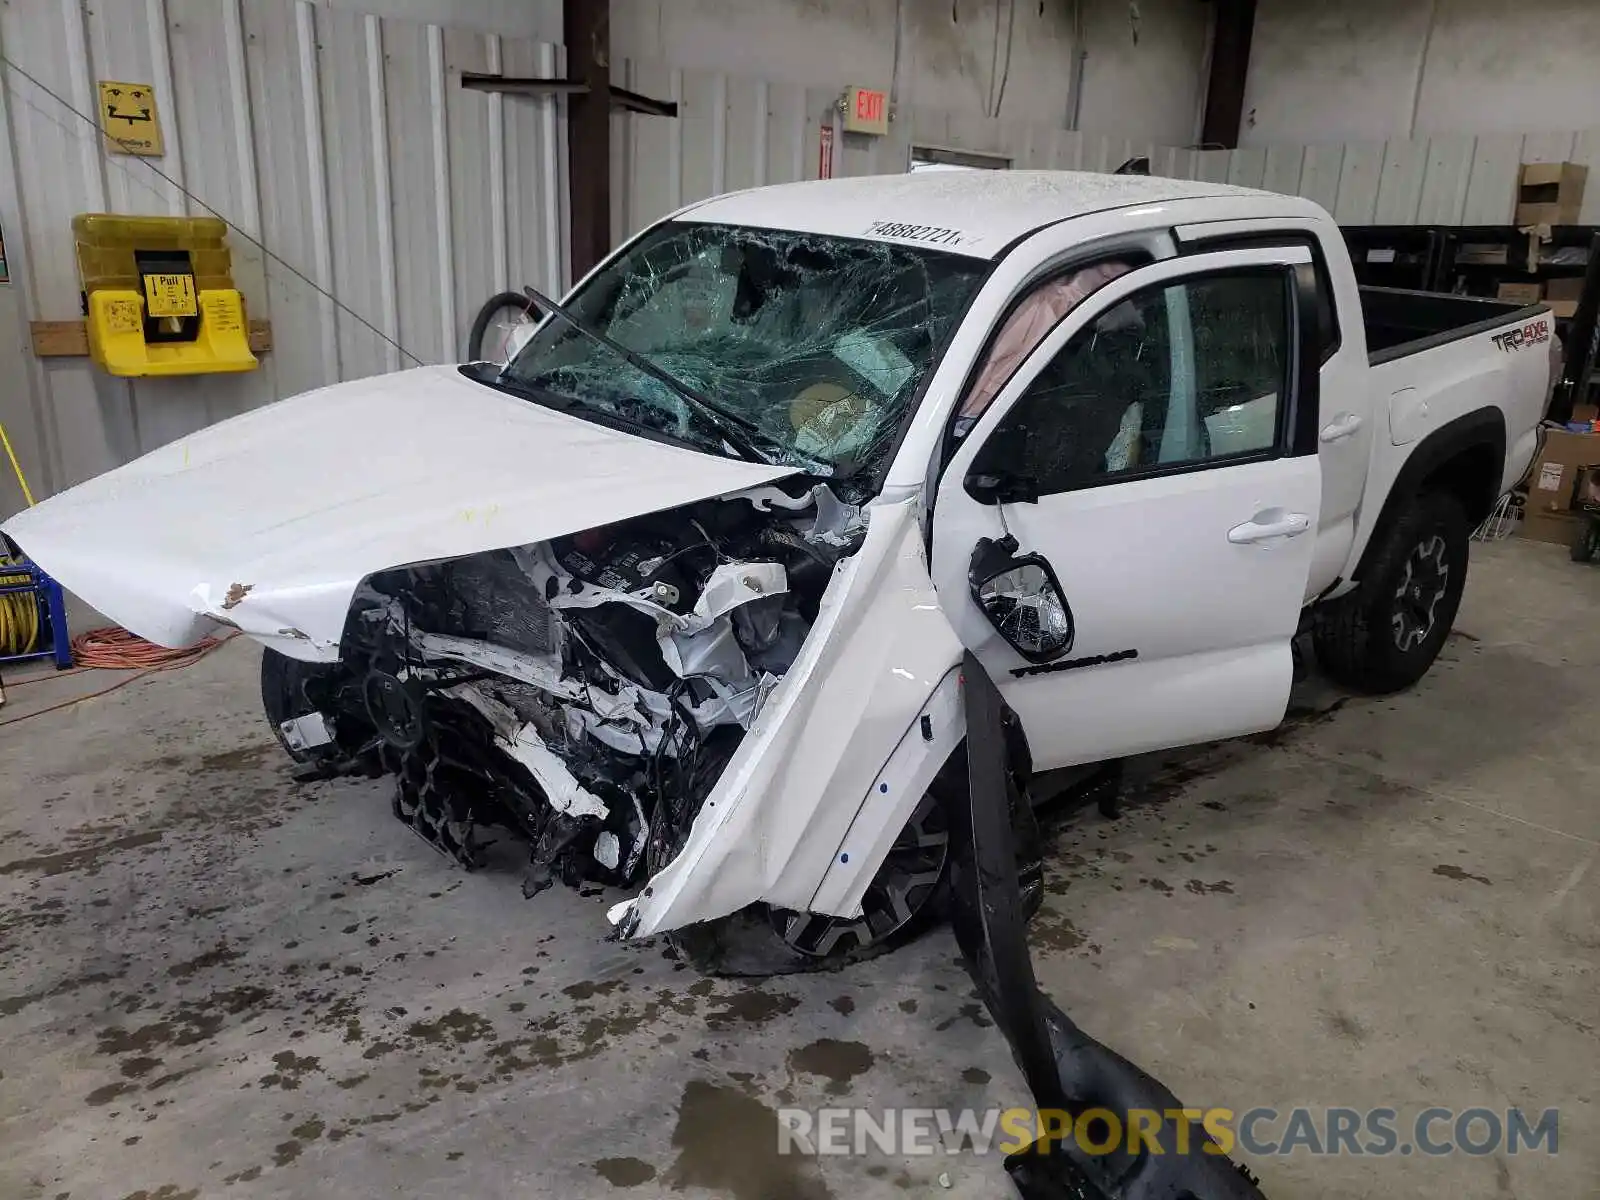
682 591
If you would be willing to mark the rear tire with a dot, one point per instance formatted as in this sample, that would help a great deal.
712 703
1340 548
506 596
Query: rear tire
1384 635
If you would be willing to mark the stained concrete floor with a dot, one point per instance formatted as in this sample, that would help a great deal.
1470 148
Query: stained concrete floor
216 982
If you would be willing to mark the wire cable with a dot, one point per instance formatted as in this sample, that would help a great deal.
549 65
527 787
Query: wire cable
117 649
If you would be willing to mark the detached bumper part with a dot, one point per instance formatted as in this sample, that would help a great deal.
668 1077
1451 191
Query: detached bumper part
1066 1069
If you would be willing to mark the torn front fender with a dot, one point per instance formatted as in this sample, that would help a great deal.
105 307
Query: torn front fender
837 759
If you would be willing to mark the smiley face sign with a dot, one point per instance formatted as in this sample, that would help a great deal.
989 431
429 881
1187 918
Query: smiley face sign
130 119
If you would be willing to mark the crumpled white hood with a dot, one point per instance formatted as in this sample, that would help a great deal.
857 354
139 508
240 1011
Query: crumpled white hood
270 520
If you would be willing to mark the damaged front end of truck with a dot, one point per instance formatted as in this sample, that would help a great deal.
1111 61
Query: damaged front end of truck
728 683
635 596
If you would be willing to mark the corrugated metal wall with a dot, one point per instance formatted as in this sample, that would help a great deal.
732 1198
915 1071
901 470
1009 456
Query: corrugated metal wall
736 132
1447 180
342 141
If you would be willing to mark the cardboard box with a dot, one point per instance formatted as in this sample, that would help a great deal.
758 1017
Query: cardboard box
1555 471
1522 293
1560 528
1550 193
1566 287
1563 294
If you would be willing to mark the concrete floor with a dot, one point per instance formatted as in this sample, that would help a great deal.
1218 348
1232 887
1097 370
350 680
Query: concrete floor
215 982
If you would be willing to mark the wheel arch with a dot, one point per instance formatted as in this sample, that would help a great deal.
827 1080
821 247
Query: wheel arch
1464 457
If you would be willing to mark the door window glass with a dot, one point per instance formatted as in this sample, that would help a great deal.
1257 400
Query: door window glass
1175 376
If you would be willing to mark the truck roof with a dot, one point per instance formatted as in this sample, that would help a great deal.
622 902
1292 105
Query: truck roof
976 213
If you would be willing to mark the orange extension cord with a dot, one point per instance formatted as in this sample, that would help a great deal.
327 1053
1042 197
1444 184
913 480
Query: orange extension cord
116 649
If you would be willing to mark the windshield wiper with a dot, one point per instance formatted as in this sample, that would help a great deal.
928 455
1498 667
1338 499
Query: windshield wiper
563 402
735 430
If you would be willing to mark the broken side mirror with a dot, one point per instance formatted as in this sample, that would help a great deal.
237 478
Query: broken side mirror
1022 599
999 487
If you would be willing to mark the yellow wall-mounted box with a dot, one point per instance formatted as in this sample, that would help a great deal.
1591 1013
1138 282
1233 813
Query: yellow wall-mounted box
159 296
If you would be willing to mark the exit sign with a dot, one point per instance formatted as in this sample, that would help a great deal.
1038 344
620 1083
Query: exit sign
866 111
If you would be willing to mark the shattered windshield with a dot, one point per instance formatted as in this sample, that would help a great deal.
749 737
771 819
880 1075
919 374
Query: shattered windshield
818 343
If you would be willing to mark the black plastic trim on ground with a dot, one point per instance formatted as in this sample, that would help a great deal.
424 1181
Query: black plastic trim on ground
1066 1069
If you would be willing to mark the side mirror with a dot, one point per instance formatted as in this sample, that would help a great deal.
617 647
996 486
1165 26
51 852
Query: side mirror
1022 599
998 487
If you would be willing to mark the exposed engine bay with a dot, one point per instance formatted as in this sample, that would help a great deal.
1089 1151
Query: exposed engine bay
585 692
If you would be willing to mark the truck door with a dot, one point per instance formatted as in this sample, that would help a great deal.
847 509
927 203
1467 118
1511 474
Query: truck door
1124 535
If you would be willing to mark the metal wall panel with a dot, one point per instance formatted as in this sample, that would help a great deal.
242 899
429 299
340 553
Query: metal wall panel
342 141
1319 175
1444 183
536 181
1400 184
1491 187
791 135
1213 165
1359 177
1247 168
1284 170
352 190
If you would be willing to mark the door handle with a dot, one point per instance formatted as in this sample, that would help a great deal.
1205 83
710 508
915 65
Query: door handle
1342 426
1264 526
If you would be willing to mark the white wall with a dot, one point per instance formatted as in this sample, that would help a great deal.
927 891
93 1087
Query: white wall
1358 69
1142 77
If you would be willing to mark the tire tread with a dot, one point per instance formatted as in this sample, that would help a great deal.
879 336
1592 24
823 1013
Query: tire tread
1347 633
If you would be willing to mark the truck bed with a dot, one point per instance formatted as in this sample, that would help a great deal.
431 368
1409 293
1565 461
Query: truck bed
1400 322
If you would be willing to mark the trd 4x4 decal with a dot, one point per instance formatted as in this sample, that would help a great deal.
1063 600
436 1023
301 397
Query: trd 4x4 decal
1520 339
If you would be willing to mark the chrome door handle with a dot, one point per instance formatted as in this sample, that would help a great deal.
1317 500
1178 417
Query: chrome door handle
1267 526
1342 426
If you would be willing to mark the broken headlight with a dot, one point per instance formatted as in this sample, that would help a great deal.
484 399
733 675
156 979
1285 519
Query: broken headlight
1022 599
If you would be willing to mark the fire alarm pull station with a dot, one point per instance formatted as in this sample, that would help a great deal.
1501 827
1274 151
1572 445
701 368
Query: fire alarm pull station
158 295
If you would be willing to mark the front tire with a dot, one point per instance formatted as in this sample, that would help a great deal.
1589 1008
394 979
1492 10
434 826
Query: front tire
901 901
1384 635
291 688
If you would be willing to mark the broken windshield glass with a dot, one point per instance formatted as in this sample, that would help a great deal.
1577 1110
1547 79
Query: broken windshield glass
819 343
